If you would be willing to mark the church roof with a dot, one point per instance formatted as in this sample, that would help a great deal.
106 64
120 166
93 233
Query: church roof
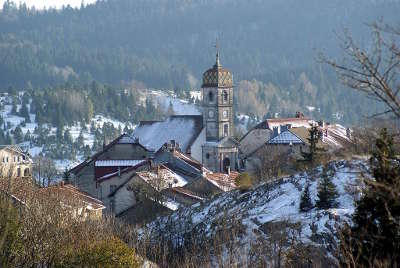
217 76
184 129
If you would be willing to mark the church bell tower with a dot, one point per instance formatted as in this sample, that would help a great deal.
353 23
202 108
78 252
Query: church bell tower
220 151
218 102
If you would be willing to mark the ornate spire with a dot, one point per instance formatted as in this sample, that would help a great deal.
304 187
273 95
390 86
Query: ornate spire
217 62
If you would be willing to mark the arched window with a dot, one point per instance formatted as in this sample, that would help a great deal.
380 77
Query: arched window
26 172
226 130
210 96
225 96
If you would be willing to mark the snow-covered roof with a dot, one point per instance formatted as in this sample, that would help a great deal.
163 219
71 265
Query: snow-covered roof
286 137
183 129
118 163
168 177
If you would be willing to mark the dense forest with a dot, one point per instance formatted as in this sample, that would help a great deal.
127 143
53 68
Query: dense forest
168 44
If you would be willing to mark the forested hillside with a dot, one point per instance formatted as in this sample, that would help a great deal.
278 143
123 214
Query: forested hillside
168 44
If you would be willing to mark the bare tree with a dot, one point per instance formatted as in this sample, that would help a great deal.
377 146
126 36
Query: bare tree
374 71
45 171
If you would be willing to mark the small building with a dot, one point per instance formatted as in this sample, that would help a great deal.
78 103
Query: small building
15 162
285 144
120 154
25 192
83 205
261 133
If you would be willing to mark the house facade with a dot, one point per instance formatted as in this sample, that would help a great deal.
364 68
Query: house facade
124 152
14 162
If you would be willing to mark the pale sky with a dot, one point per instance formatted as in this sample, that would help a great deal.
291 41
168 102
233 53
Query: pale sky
40 4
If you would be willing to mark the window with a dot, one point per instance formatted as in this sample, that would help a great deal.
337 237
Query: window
26 172
210 96
226 130
225 96
18 172
225 114
207 155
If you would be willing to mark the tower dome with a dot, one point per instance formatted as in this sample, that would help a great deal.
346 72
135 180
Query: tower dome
217 76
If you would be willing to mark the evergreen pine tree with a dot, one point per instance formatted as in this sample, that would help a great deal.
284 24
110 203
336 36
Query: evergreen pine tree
327 193
305 200
18 135
24 112
374 238
313 139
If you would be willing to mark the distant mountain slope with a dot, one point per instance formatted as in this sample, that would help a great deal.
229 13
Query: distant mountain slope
169 43
254 212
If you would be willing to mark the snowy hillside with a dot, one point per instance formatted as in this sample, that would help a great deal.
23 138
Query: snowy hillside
12 119
270 203
180 106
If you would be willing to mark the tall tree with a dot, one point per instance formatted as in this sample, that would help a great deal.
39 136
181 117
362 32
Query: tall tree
305 199
374 238
327 192
313 139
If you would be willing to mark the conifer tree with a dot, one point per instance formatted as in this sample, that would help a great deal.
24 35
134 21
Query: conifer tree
374 238
327 193
313 139
305 200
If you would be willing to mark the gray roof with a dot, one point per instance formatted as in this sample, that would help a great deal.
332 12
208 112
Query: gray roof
286 137
184 129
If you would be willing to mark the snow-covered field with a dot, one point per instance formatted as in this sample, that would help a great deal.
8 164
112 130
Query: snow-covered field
180 106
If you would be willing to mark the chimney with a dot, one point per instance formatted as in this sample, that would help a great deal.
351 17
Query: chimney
275 132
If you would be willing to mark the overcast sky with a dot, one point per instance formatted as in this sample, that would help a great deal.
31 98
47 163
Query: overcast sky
40 4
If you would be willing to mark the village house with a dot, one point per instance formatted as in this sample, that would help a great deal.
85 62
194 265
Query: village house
14 162
289 142
261 133
123 152
25 192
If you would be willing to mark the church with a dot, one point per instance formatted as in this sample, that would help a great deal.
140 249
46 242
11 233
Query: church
208 138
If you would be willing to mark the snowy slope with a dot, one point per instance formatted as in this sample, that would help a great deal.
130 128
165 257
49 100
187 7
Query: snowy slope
274 202
11 121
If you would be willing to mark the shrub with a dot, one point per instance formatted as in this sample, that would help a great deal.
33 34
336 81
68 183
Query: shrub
244 181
